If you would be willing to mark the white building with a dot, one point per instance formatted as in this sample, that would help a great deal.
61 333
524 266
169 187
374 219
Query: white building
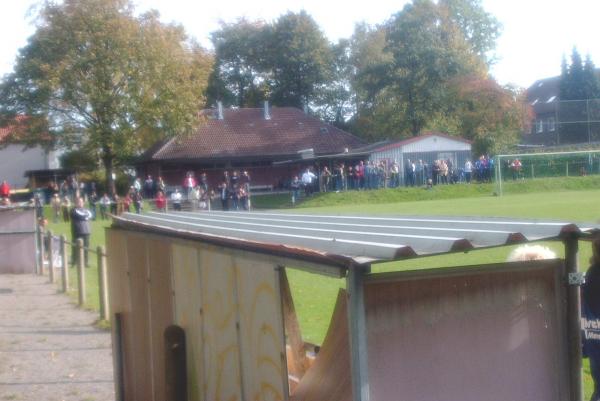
16 159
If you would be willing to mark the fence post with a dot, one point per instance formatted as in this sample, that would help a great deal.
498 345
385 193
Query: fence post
532 172
65 264
102 283
567 168
40 240
50 257
80 272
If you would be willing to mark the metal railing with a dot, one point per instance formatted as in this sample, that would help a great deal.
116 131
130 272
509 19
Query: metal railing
60 256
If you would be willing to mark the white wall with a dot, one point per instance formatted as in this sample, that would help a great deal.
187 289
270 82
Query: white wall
14 161
436 143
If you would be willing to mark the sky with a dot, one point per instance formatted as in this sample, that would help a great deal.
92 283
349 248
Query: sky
535 35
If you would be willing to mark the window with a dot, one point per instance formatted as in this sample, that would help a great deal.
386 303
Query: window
539 126
551 124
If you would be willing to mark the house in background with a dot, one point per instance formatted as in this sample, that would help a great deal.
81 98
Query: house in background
555 122
251 139
16 159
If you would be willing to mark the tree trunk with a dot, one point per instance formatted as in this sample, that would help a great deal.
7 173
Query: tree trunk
108 169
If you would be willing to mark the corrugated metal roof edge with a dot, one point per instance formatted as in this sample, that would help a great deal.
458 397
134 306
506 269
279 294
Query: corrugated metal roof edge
287 251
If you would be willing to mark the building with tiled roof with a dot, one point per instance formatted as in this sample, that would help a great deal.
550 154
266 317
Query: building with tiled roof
252 139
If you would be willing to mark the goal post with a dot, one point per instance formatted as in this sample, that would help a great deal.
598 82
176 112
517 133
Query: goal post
525 166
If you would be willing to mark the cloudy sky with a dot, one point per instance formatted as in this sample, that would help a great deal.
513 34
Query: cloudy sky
536 33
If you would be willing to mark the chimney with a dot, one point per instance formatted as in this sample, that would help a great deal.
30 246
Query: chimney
266 111
219 110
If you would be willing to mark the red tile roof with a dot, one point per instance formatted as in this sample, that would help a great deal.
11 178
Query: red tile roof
246 133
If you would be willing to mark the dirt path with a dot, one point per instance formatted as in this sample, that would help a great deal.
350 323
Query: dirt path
49 349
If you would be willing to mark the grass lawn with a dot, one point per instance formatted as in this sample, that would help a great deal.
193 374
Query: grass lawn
314 297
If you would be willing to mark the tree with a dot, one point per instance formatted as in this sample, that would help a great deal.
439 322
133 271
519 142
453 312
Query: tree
103 79
298 59
239 53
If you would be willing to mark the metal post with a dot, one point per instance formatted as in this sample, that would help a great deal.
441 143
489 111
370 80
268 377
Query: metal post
50 257
102 283
358 332
40 255
64 273
80 273
532 173
499 169
567 168
573 320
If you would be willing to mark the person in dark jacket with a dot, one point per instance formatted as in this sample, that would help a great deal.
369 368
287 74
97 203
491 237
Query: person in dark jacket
590 317
80 228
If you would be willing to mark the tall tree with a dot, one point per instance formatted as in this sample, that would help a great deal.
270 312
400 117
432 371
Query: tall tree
298 59
239 54
106 79
428 50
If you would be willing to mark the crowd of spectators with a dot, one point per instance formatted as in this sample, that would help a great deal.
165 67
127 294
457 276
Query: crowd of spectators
367 175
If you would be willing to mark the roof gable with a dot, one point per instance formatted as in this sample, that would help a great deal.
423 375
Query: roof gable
246 133
425 136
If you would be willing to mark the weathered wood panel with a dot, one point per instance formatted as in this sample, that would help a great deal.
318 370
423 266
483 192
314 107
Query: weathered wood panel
160 308
17 251
221 348
261 331
140 318
480 335
120 302
187 295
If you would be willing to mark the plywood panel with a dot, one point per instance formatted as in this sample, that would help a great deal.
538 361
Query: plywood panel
492 336
188 305
262 338
161 308
120 302
221 349
329 378
140 318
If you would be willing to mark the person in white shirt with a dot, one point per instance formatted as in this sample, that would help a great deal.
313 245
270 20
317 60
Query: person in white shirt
307 181
176 199
468 171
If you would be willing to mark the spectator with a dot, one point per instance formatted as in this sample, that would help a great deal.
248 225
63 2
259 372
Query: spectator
160 185
4 190
127 200
161 201
295 186
104 206
137 184
590 313
80 229
138 202
325 179
176 198
224 192
55 203
66 206
468 171
149 187
189 183
93 200
307 181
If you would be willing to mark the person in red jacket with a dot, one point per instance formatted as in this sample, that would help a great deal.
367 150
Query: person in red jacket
161 202
4 190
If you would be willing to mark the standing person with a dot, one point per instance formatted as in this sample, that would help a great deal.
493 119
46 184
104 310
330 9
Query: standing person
65 206
307 181
295 186
245 181
189 183
468 171
224 192
4 189
325 179
161 201
160 185
93 200
149 187
590 313
80 228
55 202
176 198
104 206
138 202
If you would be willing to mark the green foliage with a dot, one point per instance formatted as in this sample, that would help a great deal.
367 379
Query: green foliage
105 79
579 81
298 59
